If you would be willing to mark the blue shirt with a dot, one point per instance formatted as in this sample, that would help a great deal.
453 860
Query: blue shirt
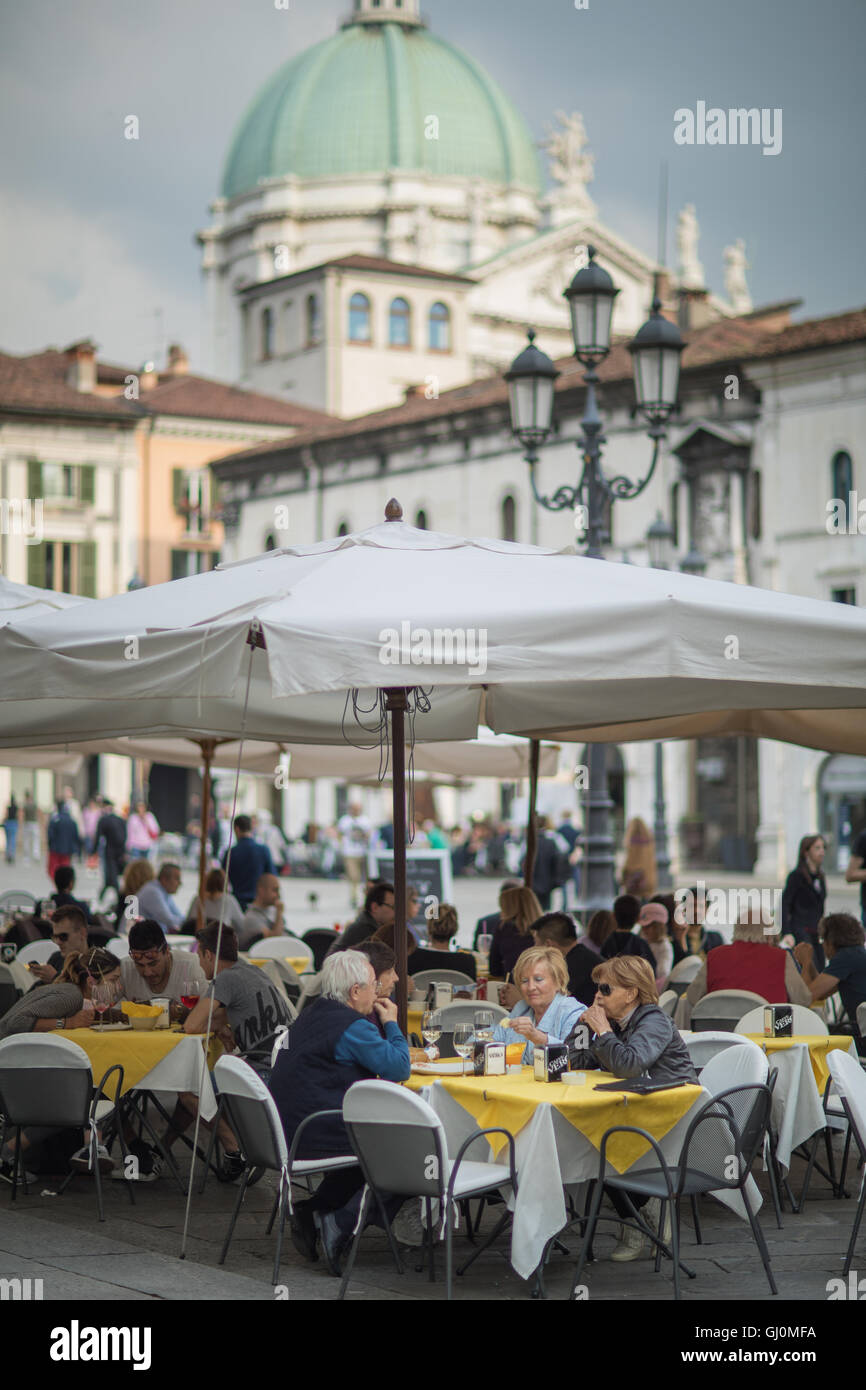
155 903
557 1022
248 862
387 1057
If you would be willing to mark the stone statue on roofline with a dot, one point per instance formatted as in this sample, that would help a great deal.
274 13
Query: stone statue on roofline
736 266
570 163
691 272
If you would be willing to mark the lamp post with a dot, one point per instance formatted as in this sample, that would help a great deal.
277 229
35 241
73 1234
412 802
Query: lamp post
660 545
531 381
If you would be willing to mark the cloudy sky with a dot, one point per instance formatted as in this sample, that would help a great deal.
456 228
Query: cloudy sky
96 231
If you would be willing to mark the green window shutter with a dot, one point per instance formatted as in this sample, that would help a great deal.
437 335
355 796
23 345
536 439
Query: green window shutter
178 487
87 484
34 480
87 569
36 565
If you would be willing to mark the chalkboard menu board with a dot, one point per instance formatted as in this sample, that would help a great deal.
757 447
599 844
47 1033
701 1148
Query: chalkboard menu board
429 873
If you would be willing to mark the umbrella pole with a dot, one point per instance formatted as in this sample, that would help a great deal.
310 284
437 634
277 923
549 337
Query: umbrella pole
531 832
207 746
397 705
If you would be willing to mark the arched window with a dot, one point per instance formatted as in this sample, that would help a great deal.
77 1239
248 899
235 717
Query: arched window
359 319
509 518
314 320
440 328
267 343
343 528
399 324
421 520
843 476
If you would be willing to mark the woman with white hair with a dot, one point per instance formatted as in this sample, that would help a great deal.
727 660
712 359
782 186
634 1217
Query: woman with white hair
333 1044
754 961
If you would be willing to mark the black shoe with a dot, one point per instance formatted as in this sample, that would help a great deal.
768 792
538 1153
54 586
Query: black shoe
333 1241
304 1234
232 1167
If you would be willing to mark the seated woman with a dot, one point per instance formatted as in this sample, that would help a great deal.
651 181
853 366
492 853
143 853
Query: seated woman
441 931
62 1004
653 923
547 1013
753 961
212 902
631 1037
519 908
600 926
139 872
845 969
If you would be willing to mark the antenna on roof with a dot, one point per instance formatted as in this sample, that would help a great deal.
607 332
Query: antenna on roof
662 256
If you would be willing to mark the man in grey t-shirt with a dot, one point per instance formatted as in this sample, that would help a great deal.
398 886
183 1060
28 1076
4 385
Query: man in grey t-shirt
246 1000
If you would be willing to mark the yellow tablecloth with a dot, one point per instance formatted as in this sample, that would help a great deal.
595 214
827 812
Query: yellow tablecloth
511 1100
818 1047
298 963
137 1051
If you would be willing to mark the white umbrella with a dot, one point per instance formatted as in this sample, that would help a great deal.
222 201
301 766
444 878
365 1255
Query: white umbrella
25 601
524 639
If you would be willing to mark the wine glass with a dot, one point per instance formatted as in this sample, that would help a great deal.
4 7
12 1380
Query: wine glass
484 1024
464 1038
102 997
431 1026
190 991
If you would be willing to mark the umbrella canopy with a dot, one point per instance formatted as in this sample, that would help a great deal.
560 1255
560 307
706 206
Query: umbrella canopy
527 640
25 601
828 731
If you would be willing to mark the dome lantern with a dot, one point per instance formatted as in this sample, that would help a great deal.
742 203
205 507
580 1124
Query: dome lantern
385 12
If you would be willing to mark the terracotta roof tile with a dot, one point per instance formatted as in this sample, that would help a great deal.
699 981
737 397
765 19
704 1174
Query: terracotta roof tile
185 394
37 383
724 340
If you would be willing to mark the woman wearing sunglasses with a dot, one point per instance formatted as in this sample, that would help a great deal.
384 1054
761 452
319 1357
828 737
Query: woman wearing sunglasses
630 1037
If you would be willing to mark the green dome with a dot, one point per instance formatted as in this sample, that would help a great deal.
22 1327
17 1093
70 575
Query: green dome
357 103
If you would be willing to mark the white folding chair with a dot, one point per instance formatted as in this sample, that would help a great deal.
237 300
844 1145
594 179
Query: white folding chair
704 1046
805 1021
464 1011
281 948
683 973
402 1148
445 977
252 1114
668 1002
37 952
851 1085
721 1010
118 946
47 1081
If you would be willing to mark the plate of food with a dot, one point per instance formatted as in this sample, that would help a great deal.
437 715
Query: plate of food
446 1066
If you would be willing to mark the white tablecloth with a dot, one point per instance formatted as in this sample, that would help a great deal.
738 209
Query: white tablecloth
550 1153
798 1112
181 1070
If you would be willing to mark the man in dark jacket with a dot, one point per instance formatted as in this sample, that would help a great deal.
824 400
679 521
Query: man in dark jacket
558 929
247 860
111 838
63 839
378 911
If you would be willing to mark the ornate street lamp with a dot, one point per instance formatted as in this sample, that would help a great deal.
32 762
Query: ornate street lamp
656 351
660 545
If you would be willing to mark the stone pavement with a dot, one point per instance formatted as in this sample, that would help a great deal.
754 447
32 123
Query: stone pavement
134 1254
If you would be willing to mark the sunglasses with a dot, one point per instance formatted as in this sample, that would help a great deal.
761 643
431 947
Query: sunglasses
606 989
60 936
147 957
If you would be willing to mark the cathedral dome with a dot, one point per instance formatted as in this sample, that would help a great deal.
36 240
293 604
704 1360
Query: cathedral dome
383 93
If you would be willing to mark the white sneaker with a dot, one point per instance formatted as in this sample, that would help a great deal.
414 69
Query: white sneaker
81 1160
407 1226
652 1215
631 1246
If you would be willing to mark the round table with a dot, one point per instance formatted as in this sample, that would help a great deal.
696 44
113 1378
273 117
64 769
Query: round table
558 1130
